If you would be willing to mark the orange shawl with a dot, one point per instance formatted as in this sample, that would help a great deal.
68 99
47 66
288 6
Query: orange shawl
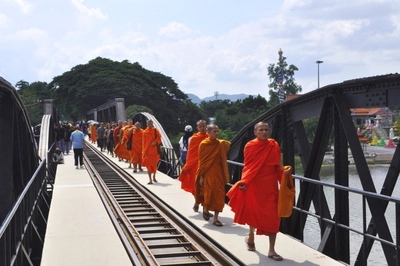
214 168
287 193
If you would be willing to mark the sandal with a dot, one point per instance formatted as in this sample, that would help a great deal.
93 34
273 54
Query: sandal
275 257
217 223
206 215
209 214
250 246
196 208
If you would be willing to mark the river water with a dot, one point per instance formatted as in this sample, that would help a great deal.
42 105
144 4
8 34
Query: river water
378 173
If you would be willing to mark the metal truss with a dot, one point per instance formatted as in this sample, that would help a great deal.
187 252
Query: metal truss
331 104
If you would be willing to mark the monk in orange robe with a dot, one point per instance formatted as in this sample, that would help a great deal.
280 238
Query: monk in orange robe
120 148
136 149
150 155
93 133
212 174
188 173
116 135
254 199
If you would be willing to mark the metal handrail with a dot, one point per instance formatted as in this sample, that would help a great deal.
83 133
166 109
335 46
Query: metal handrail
169 163
365 196
22 231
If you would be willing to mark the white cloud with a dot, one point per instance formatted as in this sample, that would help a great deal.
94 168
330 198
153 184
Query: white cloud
4 21
353 39
25 6
175 30
395 19
91 12
31 34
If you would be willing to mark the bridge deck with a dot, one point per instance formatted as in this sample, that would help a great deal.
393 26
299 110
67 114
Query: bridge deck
79 231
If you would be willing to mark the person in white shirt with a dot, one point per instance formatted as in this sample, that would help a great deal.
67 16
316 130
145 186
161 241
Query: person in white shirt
184 143
58 156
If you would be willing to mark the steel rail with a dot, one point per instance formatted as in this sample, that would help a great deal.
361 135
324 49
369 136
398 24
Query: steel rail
152 233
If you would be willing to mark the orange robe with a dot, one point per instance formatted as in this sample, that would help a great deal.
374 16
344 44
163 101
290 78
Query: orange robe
150 156
214 168
136 150
116 134
188 173
257 205
93 133
120 148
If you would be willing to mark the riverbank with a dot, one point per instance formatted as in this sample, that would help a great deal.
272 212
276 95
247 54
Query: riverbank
373 155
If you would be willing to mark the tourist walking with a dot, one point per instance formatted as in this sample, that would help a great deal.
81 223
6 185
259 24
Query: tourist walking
78 144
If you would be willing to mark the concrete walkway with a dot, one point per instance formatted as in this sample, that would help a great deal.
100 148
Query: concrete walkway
80 232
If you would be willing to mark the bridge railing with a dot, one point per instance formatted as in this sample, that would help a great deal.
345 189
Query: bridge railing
23 230
360 227
169 163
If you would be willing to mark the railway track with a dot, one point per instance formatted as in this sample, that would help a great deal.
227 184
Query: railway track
152 233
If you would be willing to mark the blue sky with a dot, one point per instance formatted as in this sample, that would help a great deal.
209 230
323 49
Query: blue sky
205 46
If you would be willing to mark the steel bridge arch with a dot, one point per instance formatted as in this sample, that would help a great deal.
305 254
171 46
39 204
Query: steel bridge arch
169 162
24 183
332 104
18 157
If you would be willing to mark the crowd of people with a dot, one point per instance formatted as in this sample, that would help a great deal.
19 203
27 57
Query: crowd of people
253 199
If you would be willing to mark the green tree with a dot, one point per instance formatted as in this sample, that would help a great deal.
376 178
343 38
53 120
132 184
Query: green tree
289 85
226 134
211 107
32 96
134 109
254 105
232 116
87 86
22 85
189 114
310 126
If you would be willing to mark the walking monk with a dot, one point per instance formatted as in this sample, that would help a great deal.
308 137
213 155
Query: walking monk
116 134
136 150
93 134
188 173
254 198
212 174
120 148
151 140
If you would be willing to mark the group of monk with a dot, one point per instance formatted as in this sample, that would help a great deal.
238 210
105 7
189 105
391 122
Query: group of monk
253 199
138 147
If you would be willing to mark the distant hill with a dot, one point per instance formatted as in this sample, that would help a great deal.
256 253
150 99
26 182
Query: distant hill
231 97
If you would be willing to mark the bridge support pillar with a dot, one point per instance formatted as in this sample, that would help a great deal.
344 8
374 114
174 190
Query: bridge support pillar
120 109
48 106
